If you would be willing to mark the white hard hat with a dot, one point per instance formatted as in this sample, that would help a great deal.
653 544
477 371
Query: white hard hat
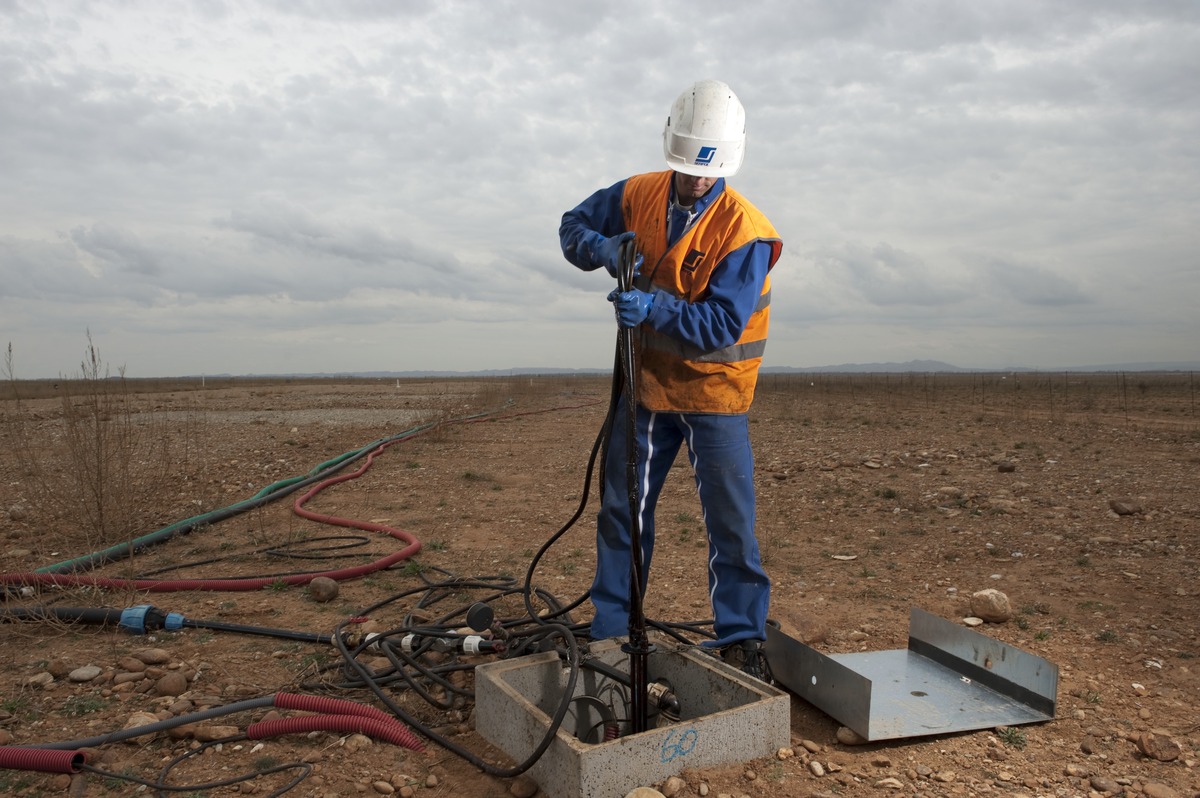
705 134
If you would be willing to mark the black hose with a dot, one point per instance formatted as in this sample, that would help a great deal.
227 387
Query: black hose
573 661
103 616
98 616
638 647
162 725
265 631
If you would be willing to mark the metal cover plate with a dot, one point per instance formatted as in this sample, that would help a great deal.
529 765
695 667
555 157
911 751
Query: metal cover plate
949 679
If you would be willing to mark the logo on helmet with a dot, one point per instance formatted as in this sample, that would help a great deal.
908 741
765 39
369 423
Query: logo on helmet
705 156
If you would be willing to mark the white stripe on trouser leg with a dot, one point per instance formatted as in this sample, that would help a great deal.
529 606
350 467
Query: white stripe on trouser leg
694 458
644 481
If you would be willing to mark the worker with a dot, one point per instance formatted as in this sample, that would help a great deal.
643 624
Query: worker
698 311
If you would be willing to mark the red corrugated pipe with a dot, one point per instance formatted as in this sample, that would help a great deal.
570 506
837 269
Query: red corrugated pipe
389 730
41 759
231 585
171 585
330 706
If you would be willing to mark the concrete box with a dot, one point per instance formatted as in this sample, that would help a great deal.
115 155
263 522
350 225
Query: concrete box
725 716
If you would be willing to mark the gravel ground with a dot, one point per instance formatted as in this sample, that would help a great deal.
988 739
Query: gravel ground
1073 495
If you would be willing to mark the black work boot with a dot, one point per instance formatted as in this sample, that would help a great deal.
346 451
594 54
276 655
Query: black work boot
747 656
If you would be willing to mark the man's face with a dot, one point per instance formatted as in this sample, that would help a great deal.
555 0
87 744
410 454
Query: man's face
688 189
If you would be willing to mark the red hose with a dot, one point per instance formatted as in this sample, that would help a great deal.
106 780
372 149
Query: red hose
298 504
232 585
388 731
41 759
330 706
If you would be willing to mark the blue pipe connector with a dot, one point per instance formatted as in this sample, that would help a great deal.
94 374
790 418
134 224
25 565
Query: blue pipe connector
145 617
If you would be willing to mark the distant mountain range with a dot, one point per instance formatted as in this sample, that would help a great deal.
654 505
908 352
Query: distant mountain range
911 366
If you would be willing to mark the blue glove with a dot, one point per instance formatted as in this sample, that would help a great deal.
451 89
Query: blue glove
606 252
632 306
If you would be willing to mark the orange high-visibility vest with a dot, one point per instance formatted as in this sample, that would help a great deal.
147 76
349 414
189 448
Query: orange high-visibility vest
674 376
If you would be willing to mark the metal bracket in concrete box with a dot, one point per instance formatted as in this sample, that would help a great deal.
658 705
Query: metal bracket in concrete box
949 679
725 717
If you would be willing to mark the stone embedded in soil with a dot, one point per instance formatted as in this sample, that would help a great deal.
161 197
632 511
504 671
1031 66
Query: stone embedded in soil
139 719
1158 747
39 681
85 673
673 786
131 665
172 684
357 742
183 732
206 734
847 736
1124 506
523 787
323 589
153 656
991 605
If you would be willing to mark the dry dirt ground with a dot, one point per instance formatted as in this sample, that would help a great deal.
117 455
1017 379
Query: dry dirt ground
1075 495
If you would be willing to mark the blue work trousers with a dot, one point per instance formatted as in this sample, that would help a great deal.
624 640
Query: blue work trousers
719 451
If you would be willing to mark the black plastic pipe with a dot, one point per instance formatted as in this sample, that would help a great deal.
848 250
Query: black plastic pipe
638 647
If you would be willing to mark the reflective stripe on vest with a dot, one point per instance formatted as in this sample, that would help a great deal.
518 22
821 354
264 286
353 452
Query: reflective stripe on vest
730 354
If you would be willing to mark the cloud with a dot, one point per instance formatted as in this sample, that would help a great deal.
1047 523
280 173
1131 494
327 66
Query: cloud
117 247
1031 284
886 276
365 167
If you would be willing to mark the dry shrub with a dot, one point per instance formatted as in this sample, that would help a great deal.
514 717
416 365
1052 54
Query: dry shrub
94 466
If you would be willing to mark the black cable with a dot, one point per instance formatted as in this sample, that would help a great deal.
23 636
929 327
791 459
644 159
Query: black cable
283 552
162 725
600 445
160 786
406 717
283 634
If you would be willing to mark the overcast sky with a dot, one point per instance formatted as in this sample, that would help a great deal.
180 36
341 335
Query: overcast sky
291 186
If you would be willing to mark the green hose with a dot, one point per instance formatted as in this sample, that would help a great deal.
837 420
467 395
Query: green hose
267 494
